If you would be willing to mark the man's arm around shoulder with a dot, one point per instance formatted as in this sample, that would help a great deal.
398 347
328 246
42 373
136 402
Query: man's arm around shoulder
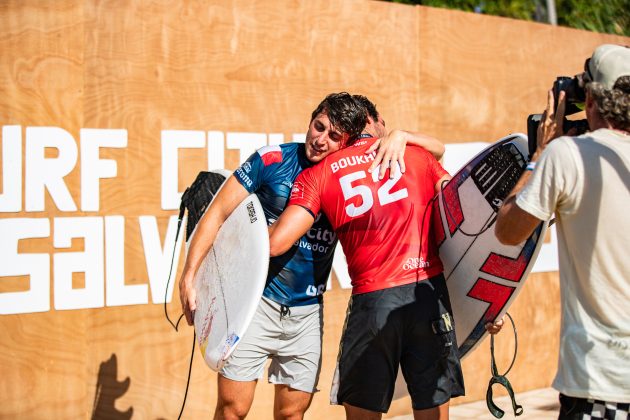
293 223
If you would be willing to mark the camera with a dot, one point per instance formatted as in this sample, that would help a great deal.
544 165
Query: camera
574 97
574 93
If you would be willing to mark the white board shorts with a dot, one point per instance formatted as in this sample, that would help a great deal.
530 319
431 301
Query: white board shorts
292 341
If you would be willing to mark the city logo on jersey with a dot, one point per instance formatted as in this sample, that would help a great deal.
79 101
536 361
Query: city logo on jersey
247 167
316 241
270 154
318 238
298 190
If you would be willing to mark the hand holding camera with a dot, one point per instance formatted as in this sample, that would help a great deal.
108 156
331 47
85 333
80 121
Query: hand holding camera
566 97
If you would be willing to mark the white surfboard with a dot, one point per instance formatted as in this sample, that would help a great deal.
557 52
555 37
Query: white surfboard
483 276
230 281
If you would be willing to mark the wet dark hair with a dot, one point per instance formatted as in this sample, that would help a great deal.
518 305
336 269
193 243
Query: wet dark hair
368 105
345 113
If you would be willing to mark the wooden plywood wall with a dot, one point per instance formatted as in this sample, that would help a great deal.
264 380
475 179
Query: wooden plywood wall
231 67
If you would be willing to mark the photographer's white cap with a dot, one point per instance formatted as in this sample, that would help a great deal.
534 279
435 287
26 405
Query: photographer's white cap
608 63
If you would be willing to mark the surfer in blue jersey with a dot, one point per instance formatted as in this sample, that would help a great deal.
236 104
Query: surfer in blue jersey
585 181
288 324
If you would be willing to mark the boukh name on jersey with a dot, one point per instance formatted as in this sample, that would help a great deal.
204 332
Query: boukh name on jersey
344 162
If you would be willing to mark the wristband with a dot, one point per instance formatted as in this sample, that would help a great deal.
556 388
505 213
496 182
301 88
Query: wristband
530 166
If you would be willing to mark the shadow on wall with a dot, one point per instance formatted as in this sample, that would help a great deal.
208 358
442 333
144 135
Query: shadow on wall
108 390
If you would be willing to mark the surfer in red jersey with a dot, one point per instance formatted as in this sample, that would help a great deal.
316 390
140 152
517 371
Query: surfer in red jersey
399 312
585 181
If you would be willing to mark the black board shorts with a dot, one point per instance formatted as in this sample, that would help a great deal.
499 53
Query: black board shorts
410 326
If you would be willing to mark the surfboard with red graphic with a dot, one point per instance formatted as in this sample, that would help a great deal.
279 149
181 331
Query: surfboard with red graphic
483 276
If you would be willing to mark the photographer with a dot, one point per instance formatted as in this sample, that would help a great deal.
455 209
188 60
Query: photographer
585 181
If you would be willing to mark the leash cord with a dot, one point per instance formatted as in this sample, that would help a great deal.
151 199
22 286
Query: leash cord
488 224
515 347
424 215
185 200
176 325
170 273
449 217
192 355
502 379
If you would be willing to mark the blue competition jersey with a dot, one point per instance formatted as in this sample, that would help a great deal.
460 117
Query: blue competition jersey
299 276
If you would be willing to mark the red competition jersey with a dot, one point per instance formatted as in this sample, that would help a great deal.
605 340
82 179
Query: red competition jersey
379 222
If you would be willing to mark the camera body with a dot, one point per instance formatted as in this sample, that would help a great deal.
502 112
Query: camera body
574 96
533 121
574 93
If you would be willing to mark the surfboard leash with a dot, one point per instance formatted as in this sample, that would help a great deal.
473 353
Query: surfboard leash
185 203
196 198
491 220
180 218
489 223
424 215
192 355
502 379
175 326
449 216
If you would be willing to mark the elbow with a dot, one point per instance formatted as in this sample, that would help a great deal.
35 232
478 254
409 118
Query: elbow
276 248
504 234
506 240
273 250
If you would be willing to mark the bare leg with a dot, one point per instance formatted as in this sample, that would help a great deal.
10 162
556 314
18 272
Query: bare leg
436 413
356 413
290 404
235 398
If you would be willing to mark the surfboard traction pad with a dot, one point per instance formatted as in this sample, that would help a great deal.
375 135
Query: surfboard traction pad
218 302
483 275
198 197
